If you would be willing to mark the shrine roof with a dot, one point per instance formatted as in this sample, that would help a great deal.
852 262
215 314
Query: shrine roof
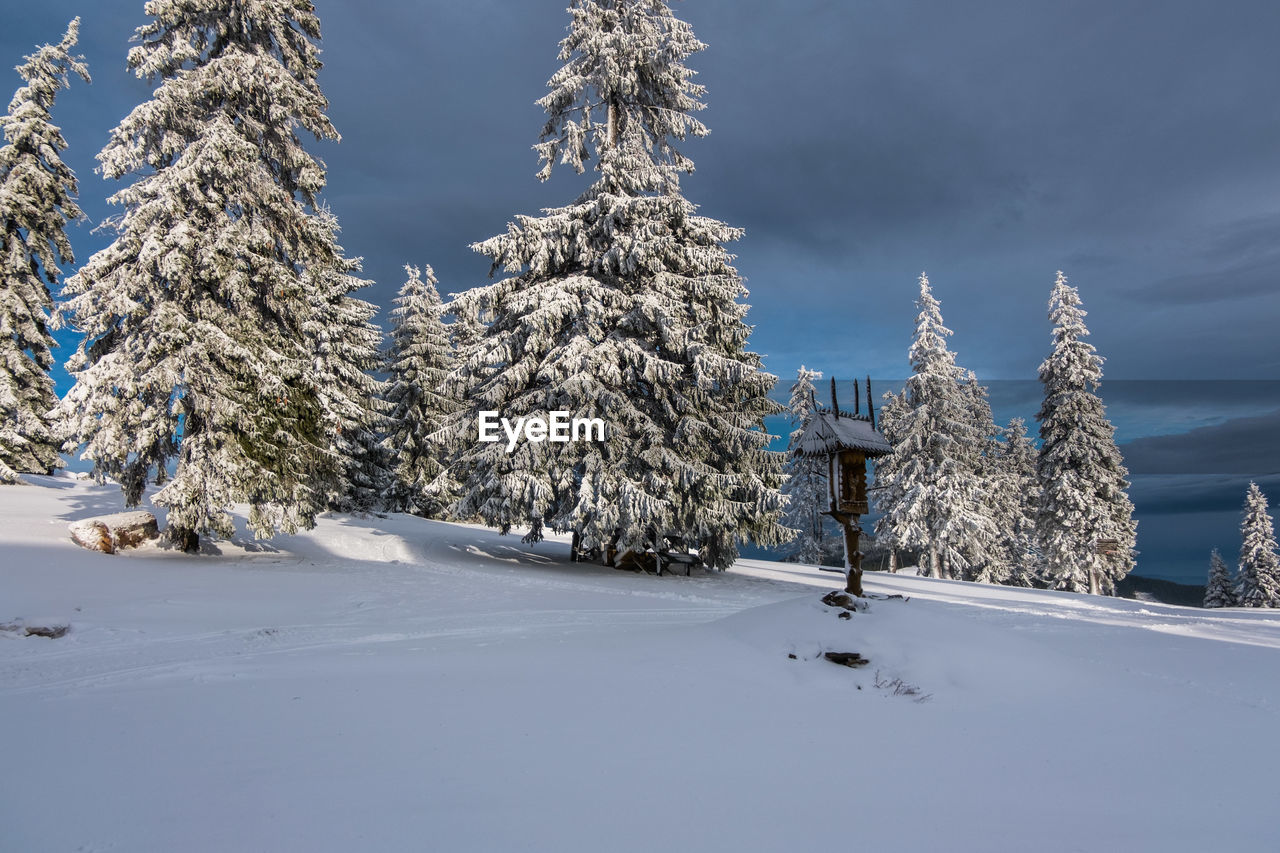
828 432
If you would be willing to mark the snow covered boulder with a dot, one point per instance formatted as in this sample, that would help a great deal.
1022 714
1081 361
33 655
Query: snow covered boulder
109 533
92 534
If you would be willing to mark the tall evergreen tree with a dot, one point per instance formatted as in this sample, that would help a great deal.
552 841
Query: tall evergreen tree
622 305
1085 526
806 485
346 346
930 487
420 359
1259 571
890 493
1015 500
37 200
985 552
1219 591
201 318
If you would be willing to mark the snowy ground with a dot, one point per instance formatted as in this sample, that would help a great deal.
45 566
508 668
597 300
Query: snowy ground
397 684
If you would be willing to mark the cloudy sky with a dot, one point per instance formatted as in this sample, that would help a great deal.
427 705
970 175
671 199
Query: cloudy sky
1134 145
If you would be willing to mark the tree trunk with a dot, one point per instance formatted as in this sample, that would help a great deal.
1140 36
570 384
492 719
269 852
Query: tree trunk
614 124
185 538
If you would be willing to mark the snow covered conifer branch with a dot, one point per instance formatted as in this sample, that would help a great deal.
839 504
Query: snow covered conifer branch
624 94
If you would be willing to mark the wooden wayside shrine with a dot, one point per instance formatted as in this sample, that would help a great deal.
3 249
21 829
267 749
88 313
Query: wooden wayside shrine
847 441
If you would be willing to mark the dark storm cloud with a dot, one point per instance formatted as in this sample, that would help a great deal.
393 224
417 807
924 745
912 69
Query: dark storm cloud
1196 494
837 143
938 109
992 144
1235 262
1241 446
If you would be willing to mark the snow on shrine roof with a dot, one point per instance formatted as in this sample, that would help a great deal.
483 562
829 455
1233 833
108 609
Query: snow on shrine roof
828 432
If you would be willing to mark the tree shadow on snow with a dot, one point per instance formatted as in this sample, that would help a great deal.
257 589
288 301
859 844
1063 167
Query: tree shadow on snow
101 499
509 554
55 481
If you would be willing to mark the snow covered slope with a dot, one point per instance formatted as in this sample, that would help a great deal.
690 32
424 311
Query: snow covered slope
397 684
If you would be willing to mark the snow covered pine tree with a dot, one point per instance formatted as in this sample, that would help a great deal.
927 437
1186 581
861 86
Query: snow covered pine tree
806 485
346 345
37 200
986 548
1219 591
1016 502
622 306
420 358
200 319
930 494
889 493
1259 572
1085 525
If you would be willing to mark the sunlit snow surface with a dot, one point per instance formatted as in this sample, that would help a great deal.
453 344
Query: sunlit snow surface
390 684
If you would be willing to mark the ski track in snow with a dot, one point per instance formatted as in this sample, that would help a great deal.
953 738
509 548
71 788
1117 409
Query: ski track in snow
190 656
1259 628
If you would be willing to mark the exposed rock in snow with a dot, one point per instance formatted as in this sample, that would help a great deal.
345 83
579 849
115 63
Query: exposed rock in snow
109 533
840 598
46 628
852 659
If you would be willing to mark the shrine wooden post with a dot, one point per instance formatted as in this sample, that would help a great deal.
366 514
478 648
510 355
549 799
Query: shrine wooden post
847 441
847 473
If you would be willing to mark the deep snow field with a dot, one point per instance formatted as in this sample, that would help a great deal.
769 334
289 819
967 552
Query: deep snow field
395 684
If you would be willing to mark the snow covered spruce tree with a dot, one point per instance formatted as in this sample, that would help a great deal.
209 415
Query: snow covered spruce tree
1085 526
346 345
890 490
622 306
806 485
986 552
1014 502
1259 571
930 493
1219 591
419 360
37 200
203 319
